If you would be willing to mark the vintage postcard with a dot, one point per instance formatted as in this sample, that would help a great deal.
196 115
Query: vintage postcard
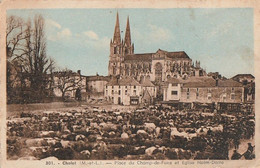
129 84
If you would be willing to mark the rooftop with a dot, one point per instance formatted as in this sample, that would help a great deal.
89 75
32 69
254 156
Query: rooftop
243 75
125 81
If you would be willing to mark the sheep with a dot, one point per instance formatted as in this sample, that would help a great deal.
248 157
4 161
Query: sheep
141 132
149 151
80 137
65 144
124 135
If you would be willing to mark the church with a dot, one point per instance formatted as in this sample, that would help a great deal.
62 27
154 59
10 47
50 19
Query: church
157 67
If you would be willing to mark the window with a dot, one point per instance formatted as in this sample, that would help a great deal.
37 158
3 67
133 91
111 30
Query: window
119 92
232 96
209 96
174 92
197 93
112 92
209 90
134 87
188 89
106 87
232 89
119 86
134 92
112 87
188 95
224 98
125 92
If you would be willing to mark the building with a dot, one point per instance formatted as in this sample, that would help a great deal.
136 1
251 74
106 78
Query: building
244 78
95 87
203 90
156 66
248 82
128 91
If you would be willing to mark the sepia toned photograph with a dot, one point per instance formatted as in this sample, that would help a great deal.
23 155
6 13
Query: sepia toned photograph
130 84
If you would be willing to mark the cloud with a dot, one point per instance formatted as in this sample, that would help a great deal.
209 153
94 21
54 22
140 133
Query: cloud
91 35
62 34
65 33
51 23
92 39
158 33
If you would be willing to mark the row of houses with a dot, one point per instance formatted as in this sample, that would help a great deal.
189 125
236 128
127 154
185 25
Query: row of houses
193 91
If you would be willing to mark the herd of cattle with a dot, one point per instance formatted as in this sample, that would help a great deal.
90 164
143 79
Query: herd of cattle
151 133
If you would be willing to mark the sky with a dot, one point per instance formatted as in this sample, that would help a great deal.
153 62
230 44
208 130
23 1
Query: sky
222 39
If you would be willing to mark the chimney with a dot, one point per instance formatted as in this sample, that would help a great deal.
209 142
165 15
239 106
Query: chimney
79 72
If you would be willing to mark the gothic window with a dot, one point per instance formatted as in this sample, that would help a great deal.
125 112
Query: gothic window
127 71
114 70
141 78
232 96
115 48
158 71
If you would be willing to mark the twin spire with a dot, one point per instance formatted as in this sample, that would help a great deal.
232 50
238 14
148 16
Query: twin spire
117 36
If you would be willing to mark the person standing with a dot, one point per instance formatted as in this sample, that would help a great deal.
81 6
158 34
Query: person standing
236 155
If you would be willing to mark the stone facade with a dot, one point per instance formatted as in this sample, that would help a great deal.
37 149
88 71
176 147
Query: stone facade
203 90
156 66
128 91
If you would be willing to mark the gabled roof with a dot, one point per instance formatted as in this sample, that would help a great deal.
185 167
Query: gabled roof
229 83
243 75
148 56
199 82
146 83
209 82
139 57
98 78
173 80
126 81
175 54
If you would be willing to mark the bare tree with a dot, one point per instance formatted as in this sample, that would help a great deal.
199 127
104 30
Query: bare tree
26 46
67 81
14 44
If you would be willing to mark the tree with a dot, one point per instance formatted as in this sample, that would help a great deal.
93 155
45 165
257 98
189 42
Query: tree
14 44
26 48
67 81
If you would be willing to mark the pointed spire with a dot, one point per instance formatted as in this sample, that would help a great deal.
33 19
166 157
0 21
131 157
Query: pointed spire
128 33
117 37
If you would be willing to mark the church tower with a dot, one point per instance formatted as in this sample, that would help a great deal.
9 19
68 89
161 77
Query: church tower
116 56
128 47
